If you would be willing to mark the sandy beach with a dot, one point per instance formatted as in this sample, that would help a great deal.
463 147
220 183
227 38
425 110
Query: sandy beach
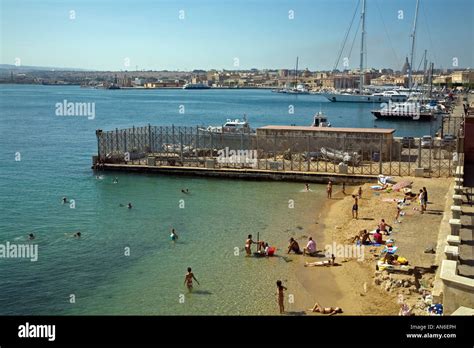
350 285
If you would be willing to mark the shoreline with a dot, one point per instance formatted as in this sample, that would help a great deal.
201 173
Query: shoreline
354 285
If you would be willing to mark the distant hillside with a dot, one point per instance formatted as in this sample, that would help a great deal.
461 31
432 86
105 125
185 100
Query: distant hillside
36 68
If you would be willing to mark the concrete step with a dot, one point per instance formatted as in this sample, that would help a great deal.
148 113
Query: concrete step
466 271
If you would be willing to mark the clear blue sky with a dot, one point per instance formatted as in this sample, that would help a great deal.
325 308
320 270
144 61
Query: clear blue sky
214 32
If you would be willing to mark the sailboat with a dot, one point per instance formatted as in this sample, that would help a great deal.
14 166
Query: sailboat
297 89
360 96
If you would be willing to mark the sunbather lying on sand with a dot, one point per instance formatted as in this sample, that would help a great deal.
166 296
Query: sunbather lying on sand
321 263
325 310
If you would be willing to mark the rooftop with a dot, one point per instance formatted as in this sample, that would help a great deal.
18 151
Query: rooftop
330 129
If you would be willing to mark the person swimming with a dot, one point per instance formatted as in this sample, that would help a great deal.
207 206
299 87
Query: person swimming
77 235
306 187
65 200
31 236
185 191
129 205
115 180
173 235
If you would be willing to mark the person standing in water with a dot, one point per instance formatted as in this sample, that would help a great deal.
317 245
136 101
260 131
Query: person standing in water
173 235
248 244
188 279
329 189
306 187
281 296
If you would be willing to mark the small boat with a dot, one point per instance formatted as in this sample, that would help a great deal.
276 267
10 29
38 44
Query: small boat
230 126
320 120
340 156
196 86
404 111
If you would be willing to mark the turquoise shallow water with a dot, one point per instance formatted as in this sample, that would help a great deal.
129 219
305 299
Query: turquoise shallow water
55 162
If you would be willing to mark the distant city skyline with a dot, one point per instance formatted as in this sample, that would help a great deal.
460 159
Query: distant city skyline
210 34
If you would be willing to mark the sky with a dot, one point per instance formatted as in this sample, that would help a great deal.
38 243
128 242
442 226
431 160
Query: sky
230 34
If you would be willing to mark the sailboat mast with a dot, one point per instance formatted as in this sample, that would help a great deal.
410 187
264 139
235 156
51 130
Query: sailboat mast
296 73
412 53
362 46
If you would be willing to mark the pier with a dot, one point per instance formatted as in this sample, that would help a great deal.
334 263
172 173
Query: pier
273 152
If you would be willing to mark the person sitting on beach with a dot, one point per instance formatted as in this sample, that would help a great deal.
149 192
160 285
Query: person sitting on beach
268 250
310 247
410 196
383 227
394 260
248 244
188 279
363 237
294 246
173 235
31 236
378 237
325 310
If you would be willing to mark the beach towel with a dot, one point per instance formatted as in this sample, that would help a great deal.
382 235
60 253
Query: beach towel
376 187
401 185
390 250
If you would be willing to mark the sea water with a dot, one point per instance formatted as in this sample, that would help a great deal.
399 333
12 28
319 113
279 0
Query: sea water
125 263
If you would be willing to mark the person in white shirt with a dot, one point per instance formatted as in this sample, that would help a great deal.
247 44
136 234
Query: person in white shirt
310 247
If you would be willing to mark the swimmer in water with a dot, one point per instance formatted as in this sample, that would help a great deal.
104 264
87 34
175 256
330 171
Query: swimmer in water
129 205
115 180
31 236
173 235
185 191
77 235
306 187
65 200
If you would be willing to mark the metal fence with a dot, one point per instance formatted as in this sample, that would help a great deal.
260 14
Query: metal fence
195 147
